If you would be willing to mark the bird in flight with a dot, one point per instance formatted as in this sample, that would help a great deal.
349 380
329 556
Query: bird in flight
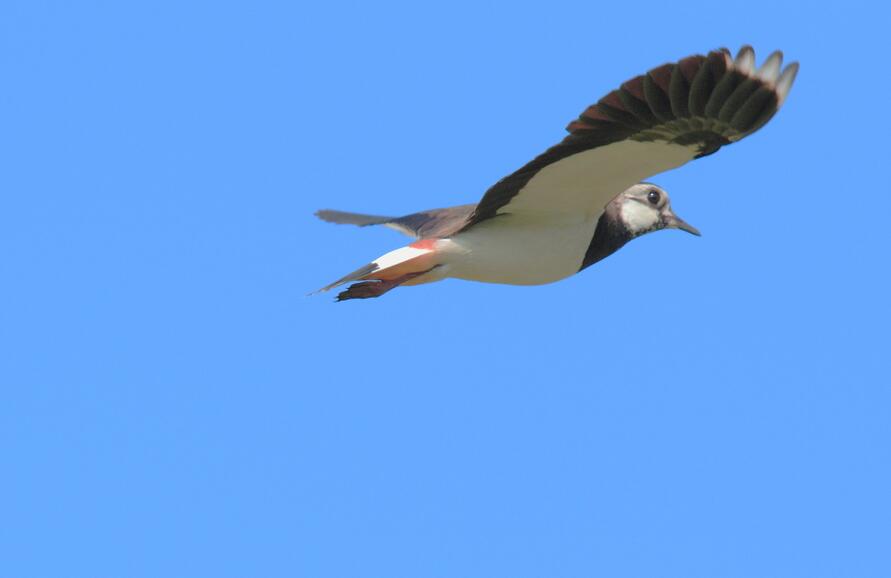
583 199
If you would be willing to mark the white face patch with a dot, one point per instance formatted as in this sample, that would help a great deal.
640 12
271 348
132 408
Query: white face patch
638 217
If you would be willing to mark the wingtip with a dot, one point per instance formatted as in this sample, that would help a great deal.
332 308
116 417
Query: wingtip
770 69
787 78
323 214
745 60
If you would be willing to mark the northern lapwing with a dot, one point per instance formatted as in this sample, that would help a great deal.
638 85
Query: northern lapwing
582 200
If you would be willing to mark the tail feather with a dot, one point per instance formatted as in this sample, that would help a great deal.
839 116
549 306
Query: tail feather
344 218
356 275
377 287
388 271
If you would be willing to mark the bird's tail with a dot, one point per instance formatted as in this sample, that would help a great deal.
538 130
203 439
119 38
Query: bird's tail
395 268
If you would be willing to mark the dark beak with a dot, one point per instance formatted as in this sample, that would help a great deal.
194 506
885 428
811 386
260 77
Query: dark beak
675 222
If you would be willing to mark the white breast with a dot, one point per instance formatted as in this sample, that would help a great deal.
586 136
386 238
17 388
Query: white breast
518 251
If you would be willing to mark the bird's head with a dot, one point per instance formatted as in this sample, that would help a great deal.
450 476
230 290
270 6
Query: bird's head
645 208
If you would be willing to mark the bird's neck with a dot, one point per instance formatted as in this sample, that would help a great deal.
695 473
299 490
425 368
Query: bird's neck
609 236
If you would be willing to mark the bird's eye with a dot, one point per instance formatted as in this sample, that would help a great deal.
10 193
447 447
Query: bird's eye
653 197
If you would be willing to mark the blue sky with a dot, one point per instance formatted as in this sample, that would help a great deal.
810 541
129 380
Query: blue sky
174 404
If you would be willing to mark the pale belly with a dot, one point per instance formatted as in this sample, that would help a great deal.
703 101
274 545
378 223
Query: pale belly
506 251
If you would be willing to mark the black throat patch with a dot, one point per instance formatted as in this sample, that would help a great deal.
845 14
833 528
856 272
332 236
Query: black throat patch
609 236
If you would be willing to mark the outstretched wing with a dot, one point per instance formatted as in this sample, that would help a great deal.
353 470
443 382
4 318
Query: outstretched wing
654 122
426 224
